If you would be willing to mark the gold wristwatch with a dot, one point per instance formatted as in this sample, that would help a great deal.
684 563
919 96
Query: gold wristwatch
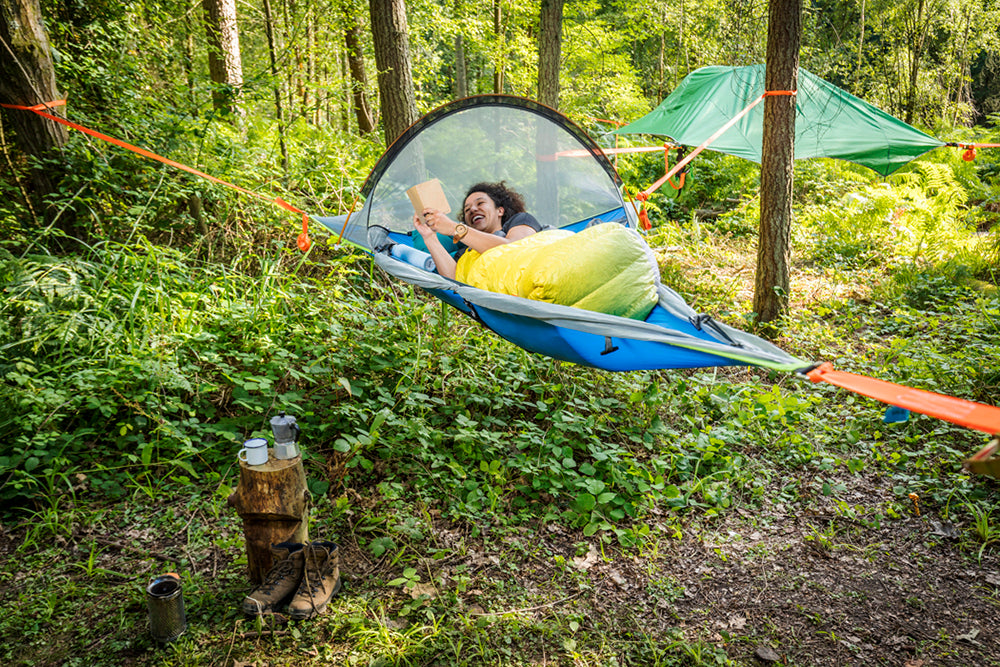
460 232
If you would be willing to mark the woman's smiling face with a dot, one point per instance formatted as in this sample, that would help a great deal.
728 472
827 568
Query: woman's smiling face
481 213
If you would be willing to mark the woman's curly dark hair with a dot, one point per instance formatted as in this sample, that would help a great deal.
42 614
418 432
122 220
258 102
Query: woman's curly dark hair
503 197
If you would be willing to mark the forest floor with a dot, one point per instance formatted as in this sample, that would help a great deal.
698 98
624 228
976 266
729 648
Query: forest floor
802 584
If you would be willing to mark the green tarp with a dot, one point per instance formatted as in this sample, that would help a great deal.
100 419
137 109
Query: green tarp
829 122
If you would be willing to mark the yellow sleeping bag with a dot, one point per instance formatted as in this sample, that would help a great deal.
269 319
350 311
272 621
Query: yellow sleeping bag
606 268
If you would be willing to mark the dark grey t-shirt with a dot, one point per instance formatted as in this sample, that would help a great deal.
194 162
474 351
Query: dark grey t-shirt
522 218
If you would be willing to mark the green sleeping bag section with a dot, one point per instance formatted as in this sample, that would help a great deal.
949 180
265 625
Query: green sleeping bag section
607 268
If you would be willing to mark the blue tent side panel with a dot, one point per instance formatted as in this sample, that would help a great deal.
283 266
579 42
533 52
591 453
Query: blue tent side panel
588 349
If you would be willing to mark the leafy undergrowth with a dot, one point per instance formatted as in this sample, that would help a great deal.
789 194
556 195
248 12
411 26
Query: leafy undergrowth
492 506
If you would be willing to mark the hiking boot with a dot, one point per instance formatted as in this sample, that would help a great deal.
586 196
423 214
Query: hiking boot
320 580
280 581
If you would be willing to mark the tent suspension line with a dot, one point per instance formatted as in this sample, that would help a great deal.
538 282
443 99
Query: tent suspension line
303 241
644 195
977 416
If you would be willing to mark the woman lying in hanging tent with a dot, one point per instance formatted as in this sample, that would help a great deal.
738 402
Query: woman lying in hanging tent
501 248
492 215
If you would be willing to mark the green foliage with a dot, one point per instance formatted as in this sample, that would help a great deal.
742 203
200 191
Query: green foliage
917 215
132 368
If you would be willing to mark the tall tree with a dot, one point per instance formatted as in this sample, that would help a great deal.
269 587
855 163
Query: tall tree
549 49
461 88
771 284
225 65
461 72
27 78
356 65
392 57
276 86
498 57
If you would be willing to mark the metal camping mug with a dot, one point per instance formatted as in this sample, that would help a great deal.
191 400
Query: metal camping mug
254 452
165 600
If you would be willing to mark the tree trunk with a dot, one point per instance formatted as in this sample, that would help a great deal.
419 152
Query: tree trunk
962 66
392 57
771 286
273 501
549 43
347 102
27 78
499 59
359 78
461 73
189 65
224 63
681 49
861 40
916 48
309 80
278 111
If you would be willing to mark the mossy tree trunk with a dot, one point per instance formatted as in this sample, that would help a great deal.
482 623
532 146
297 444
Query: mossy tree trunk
27 78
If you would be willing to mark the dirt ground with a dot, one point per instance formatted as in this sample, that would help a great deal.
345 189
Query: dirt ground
773 587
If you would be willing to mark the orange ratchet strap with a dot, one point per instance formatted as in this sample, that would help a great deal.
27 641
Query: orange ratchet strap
969 414
303 240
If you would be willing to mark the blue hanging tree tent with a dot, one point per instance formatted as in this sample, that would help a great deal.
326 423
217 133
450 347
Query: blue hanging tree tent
567 183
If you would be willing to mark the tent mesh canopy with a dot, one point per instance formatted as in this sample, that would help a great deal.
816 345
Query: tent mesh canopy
552 163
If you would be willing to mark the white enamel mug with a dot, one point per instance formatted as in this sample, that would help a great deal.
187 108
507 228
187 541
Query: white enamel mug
254 452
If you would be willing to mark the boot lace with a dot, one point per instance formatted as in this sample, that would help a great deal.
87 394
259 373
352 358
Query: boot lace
312 574
276 575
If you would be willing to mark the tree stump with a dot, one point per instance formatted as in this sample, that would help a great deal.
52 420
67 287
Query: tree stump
273 501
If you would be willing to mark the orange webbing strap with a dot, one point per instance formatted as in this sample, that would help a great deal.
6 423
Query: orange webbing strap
348 218
970 149
619 123
582 152
303 240
955 410
640 213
